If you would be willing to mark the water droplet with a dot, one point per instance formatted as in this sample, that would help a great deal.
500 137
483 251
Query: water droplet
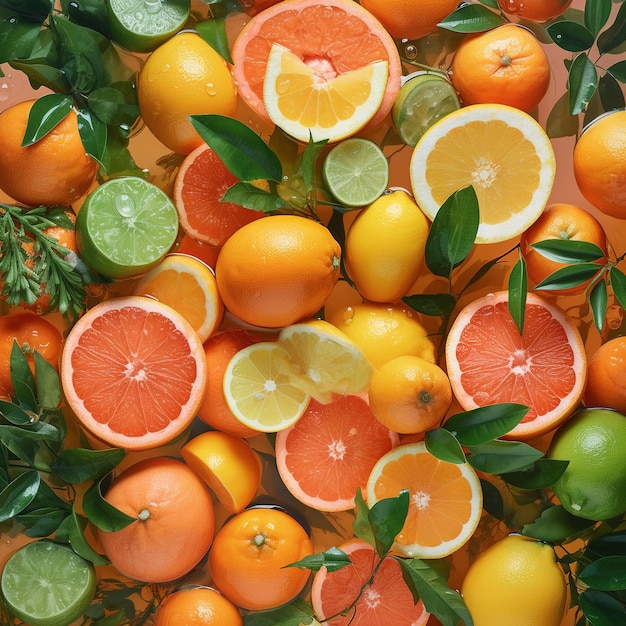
211 89
410 51
125 205
166 67
152 6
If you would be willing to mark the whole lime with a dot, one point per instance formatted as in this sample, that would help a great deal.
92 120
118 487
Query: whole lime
594 484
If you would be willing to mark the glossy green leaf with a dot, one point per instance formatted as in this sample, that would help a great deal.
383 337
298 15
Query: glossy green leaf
22 377
332 559
361 525
518 290
556 524
24 448
35 10
471 18
568 250
387 517
41 522
605 574
569 276
296 613
601 608
541 474
618 284
500 457
19 493
608 545
89 13
611 94
431 303
72 531
442 444
597 13
571 36
614 36
93 133
102 514
47 383
618 71
213 31
42 75
598 300
44 115
427 584
560 122
17 37
308 168
493 502
243 151
483 424
582 83
251 197
14 414
76 465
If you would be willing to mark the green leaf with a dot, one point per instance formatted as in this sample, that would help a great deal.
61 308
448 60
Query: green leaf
47 383
598 300
17 37
102 514
518 290
44 115
560 122
307 168
213 31
615 35
333 559
608 545
72 531
386 519
14 414
500 457
251 197
41 522
569 276
41 74
431 303
23 443
296 613
605 574
453 232
571 36
442 444
22 377
471 18
556 524
610 91
582 83
541 474
361 525
483 424
618 71
601 608
428 585
76 465
618 284
493 502
568 250
597 13
33 10
19 493
243 151
93 133
89 13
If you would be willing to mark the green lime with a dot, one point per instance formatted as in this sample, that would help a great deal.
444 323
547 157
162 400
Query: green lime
125 227
593 485
356 172
422 100
48 584
142 25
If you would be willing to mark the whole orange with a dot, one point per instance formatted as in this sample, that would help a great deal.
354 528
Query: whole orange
560 221
408 19
33 333
606 376
277 270
600 163
184 76
174 520
249 555
196 606
55 170
506 65
535 10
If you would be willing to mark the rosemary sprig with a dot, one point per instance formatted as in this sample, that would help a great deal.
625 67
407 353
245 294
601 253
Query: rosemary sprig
54 270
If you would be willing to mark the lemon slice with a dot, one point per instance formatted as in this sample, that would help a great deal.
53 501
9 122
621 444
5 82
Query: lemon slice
259 391
323 360
301 102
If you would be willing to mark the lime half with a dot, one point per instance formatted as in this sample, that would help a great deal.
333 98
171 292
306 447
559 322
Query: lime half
356 172
422 100
142 25
48 584
125 227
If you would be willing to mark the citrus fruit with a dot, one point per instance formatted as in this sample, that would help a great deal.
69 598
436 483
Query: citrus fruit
384 248
143 26
330 451
184 76
600 163
356 172
219 349
125 227
201 182
202 251
323 360
47 584
515 581
407 19
544 368
278 270
174 520
196 606
259 391
384 331
249 554
305 107
535 10
133 372
229 466
445 500
506 65
564 222
32 333
188 286
333 37
422 100
594 483
606 376
387 600
55 170
252 7
502 152
409 394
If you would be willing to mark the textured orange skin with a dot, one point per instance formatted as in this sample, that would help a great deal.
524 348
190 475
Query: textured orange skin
199 606
535 10
606 376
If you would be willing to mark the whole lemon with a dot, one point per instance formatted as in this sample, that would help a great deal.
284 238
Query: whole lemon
182 77
384 249
593 485
516 582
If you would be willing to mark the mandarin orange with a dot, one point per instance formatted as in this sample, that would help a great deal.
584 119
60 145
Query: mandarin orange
606 376
196 606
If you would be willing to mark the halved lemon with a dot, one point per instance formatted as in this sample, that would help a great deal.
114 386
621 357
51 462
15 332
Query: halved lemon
304 103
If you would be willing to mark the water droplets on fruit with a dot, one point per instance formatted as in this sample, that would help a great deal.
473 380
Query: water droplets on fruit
125 205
